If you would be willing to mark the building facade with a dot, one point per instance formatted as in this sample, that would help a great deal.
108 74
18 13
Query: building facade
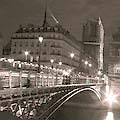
57 44
93 40
114 55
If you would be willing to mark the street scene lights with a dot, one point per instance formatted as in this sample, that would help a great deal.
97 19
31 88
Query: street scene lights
52 61
40 41
60 63
72 55
26 54
90 65
86 62
111 98
99 73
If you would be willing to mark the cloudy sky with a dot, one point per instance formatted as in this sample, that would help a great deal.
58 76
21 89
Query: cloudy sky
70 13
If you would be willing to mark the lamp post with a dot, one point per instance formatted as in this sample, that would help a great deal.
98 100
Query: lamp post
60 64
88 66
40 41
26 55
52 61
71 55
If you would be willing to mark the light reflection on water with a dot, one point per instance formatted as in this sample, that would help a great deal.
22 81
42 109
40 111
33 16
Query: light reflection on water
68 113
110 116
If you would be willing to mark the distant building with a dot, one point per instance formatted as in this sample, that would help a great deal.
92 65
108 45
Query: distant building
114 54
93 40
6 49
1 44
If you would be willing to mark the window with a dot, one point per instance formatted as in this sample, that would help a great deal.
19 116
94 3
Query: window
19 52
56 29
26 43
56 35
53 52
44 58
59 53
37 58
52 35
31 59
15 44
38 44
33 36
93 31
14 51
45 44
118 52
37 52
44 53
32 44
31 52
59 45
53 44
20 44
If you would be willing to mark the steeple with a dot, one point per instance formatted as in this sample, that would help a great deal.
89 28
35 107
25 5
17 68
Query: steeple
45 23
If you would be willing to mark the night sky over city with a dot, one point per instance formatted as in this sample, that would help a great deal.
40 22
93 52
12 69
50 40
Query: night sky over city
45 73
70 13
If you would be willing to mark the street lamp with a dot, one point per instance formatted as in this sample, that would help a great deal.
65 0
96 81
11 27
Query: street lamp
87 67
51 61
60 63
72 55
26 54
99 73
40 41
90 65
86 62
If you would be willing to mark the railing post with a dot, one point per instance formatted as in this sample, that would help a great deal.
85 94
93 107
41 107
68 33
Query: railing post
10 79
36 84
20 79
87 80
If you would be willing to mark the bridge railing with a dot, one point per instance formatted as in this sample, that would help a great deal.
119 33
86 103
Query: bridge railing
25 79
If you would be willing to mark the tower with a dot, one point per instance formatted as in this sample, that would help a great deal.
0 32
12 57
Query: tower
93 40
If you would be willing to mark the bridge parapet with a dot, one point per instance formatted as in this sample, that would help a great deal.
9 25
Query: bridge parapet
25 102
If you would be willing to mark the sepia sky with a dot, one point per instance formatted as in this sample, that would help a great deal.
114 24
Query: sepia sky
70 13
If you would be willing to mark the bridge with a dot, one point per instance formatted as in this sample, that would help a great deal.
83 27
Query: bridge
40 101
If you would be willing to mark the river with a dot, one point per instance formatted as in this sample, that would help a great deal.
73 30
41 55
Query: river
85 107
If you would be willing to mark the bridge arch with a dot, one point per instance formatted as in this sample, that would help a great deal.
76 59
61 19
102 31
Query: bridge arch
72 94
